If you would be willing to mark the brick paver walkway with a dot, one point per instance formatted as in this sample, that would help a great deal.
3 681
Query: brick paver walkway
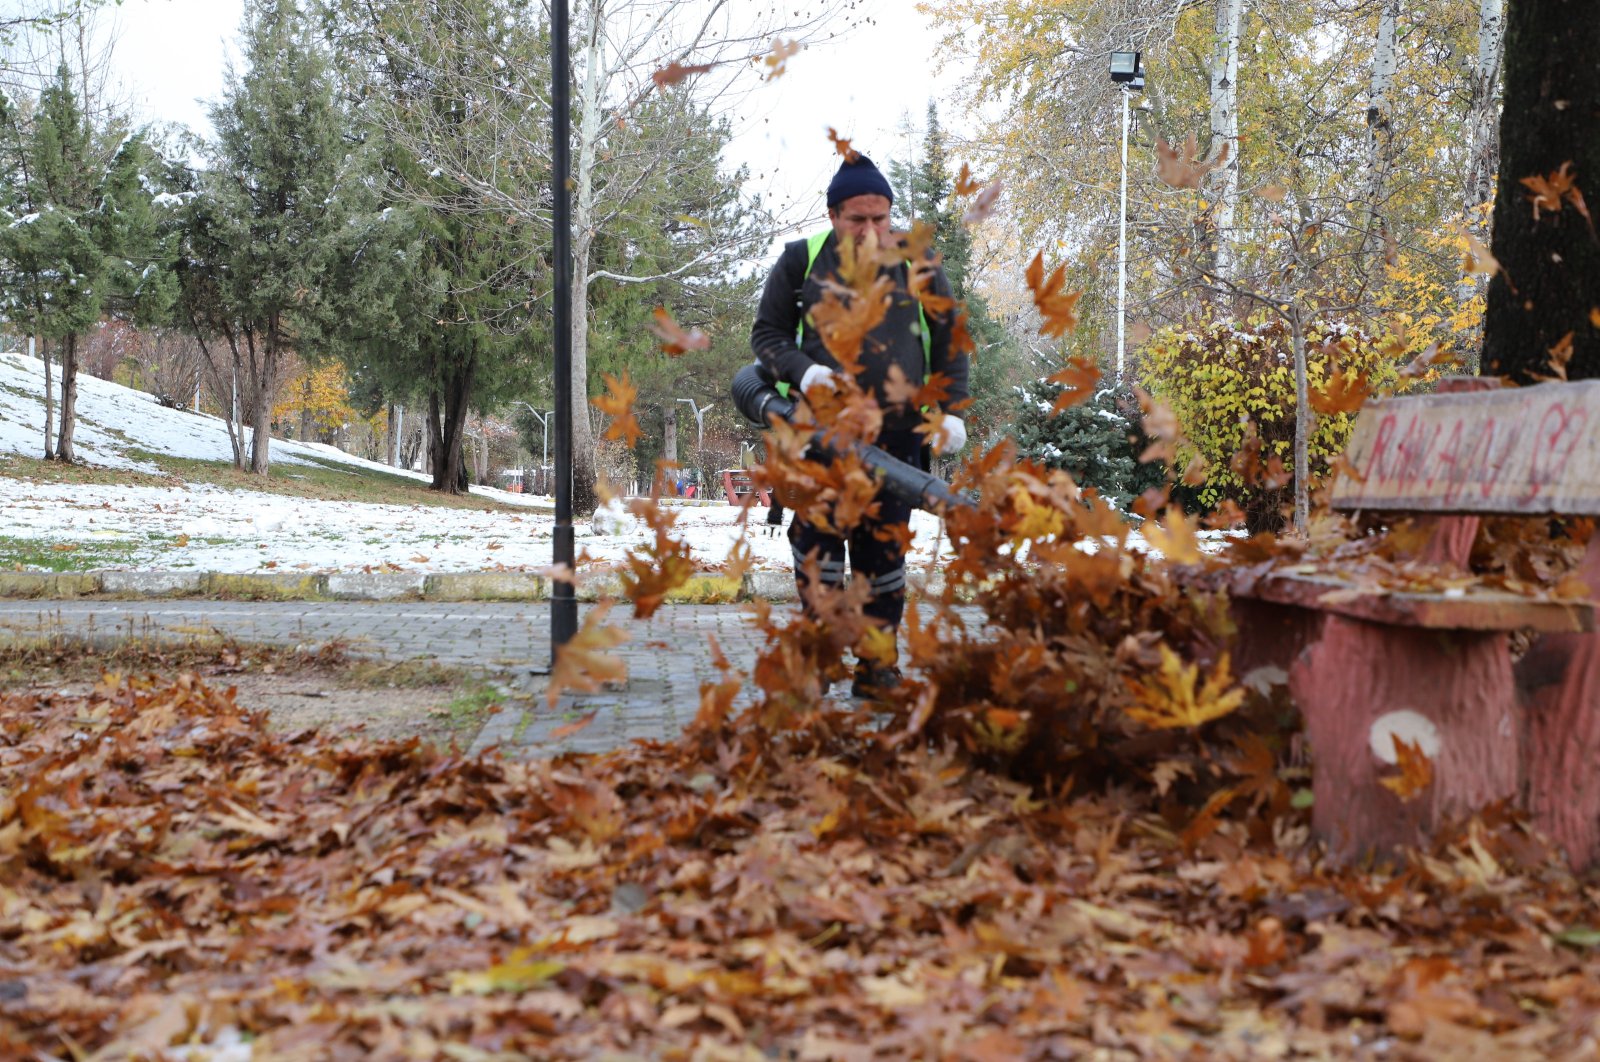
668 656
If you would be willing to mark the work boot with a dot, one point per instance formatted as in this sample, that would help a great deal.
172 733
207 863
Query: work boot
872 683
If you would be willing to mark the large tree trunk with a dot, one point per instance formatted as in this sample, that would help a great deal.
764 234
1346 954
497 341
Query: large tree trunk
1225 128
69 398
447 415
1380 134
669 432
1549 281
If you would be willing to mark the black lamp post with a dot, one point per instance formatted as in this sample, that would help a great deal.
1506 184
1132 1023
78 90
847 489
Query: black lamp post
563 592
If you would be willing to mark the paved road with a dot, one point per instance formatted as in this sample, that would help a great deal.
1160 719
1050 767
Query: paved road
668 656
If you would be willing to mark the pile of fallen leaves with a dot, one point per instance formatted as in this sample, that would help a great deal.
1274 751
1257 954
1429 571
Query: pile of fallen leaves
172 876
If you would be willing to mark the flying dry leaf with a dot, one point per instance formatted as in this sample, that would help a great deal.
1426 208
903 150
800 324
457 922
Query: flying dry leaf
618 405
1274 192
1160 424
1185 168
1058 308
842 146
1344 392
1171 700
1416 770
674 72
984 204
1560 354
1432 357
961 341
1478 258
577 726
1594 316
585 663
1549 192
1174 538
674 340
966 184
1077 382
777 60
1139 332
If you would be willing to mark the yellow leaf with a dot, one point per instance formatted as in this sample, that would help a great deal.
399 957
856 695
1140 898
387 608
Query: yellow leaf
1175 540
1416 770
1170 700
518 973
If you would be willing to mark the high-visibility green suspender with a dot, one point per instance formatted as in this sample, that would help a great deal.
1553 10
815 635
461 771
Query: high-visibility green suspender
814 244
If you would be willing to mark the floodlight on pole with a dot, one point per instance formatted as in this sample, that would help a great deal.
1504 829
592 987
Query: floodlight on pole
1129 78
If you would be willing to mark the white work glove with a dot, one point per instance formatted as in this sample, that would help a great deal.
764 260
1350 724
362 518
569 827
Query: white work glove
817 374
952 435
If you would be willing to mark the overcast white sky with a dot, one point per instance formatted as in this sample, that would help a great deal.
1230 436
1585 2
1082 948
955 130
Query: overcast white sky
171 54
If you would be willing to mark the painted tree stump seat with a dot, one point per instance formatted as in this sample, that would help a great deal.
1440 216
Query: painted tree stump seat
1367 664
736 483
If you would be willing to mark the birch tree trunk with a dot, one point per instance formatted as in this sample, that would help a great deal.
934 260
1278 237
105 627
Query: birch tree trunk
584 497
1380 133
1302 425
1225 128
1483 120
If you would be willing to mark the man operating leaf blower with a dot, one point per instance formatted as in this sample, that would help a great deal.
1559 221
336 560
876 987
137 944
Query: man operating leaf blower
909 308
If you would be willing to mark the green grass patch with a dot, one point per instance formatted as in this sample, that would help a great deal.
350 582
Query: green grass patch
471 707
322 480
34 554
16 466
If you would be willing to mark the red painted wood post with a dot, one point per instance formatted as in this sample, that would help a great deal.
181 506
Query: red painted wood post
1449 691
1559 680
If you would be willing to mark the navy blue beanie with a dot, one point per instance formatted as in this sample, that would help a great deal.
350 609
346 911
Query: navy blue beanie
860 177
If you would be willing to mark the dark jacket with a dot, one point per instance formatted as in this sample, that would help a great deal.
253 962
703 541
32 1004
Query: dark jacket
896 341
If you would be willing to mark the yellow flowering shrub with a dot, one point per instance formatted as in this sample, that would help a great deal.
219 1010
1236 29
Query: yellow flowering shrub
1220 377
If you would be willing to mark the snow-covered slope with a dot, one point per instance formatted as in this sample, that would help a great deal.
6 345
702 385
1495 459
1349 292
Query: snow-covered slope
206 528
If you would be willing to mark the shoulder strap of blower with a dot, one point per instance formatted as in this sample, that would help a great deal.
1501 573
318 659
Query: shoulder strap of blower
814 244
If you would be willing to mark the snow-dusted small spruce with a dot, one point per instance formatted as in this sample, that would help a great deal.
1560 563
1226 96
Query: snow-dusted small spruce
1097 441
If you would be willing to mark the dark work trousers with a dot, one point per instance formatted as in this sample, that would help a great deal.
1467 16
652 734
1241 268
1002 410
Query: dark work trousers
882 564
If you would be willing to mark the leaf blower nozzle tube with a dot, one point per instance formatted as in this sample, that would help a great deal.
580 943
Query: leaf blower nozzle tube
756 397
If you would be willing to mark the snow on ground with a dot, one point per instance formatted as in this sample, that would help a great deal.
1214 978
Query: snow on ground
207 528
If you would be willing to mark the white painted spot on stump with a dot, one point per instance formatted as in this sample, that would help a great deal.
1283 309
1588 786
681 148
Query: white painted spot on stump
1413 728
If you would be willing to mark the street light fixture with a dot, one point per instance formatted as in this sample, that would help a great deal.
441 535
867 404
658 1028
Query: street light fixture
543 419
699 428
1129 78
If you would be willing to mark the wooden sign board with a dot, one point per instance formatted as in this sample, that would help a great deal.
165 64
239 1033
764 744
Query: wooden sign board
1518 450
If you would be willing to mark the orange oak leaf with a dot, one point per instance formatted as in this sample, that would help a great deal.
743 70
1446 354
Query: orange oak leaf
984 204
966 184
842 146
674 72
1478 258
1344 392
1185 168
1431 358
618 405
961 341
1416 770
674 340
585 663
777 60
1077 382
1058 308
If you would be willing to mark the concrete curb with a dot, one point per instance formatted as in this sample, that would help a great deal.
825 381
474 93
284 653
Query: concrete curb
704 589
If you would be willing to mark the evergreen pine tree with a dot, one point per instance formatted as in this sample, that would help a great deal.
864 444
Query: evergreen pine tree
266 230
996 364
75 241
1098 441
